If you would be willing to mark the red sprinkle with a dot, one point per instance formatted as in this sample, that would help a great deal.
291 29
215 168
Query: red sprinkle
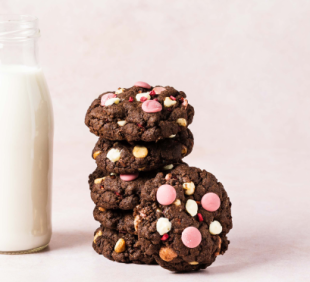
152 93
172 98
118 194
165 237
181 99
141 126
200 218
169 109
143 99
130 99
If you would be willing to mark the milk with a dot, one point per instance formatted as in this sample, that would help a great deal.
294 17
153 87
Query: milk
26 144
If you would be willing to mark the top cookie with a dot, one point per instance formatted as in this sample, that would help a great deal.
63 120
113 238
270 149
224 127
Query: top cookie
139 113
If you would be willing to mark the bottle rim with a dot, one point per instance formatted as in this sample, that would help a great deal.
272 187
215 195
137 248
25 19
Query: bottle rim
17 28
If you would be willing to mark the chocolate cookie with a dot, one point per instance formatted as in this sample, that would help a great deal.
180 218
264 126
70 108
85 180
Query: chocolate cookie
121 221
139 113
122 157
184 216
119 247
118 191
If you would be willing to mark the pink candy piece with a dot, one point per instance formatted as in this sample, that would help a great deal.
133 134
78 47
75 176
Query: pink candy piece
159 89
211 202
166 195
129 177
151 106
143 84
106 97
191 237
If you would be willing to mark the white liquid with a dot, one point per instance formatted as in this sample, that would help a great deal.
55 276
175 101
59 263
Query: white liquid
26 144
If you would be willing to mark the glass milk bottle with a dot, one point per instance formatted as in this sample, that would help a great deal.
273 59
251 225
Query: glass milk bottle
26 139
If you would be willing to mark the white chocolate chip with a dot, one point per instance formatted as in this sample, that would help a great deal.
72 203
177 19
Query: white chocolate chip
167 167
189 188
140 151
99 180
114 155
215 228
111 101
98 234
177 202
120 246
169 102
191 207
112 173
193 262
146 95
172 136
163 225
119 91
181 121
121 122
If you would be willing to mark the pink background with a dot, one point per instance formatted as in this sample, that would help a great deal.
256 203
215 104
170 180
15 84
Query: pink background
245 67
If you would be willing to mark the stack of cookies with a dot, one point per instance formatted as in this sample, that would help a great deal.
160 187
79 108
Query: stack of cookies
152 207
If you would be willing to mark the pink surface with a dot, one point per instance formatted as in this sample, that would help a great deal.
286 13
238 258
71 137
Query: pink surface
106 97
244 66
151 106
142 84
129 177
191 237
166 195
210 202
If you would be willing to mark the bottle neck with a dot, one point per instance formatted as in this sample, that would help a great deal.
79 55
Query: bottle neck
18 40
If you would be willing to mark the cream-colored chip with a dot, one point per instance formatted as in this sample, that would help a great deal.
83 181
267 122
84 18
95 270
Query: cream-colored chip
120 246
96 154
140 151
111 101
119 90
136 222
167 254
189 188
121 122
191 207
167 167
215 228
177 202
169 102
99 180
141 168
98 234
146 95
101 209
181 121
114 155
193 262
163 225
172 136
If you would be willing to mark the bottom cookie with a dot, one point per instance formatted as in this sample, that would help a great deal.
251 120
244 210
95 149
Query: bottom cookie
120 247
